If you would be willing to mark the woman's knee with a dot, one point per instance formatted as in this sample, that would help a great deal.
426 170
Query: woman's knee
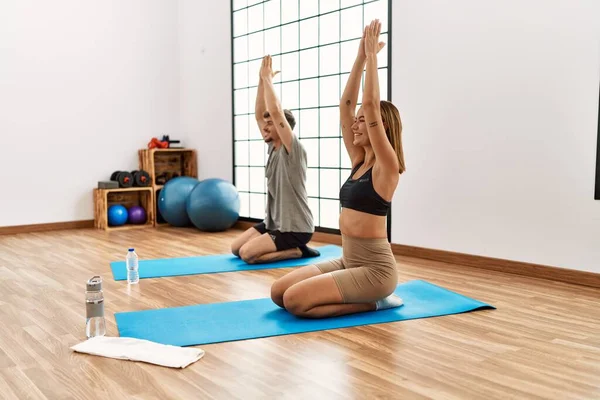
277 292
293 303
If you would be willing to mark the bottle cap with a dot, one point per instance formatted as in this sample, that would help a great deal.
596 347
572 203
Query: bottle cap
131 249
94 284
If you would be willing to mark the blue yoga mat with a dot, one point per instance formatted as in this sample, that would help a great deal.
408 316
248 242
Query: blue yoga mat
248 319
211 264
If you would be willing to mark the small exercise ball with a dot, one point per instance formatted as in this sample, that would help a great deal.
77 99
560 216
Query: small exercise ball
213 205
173 198
137 215
117 215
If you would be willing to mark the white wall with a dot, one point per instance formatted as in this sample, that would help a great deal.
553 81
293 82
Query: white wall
205 84
499 101
83 86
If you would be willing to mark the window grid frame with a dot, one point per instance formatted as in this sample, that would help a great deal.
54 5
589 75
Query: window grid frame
319 101
339 9
303 79
597 186
339 74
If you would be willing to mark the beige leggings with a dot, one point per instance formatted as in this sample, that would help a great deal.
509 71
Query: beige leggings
366 272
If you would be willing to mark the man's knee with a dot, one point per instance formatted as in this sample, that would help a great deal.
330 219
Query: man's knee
237 244
241 240
235 249
247 254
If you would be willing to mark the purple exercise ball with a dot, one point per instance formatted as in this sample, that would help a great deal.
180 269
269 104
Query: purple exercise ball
137 215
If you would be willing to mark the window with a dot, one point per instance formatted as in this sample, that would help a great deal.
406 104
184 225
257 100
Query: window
313 43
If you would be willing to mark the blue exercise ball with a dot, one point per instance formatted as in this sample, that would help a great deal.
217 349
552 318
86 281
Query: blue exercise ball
172 200
117 215
213 205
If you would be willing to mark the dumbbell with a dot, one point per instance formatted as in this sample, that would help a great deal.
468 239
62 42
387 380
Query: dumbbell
124 178
166 177
141 178
161 179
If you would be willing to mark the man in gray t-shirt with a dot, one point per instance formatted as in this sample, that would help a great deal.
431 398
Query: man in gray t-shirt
288 225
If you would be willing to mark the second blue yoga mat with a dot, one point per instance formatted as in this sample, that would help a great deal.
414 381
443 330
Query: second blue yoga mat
249 319
214 264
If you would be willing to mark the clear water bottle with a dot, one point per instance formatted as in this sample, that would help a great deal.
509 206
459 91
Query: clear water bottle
133 275
95 325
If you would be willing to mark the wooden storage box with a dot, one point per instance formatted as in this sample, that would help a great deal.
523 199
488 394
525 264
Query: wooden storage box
127 197
165 164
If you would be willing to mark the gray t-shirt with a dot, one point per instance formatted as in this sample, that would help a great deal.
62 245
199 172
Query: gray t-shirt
287 198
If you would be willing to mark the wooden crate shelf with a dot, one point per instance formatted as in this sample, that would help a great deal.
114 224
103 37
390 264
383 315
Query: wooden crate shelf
168 163
128 197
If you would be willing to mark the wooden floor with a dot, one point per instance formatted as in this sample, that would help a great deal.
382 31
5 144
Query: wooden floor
542 341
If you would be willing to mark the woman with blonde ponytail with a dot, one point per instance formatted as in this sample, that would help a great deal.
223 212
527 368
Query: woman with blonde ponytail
365 278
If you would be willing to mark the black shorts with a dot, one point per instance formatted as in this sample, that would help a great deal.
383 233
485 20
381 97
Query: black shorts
285 240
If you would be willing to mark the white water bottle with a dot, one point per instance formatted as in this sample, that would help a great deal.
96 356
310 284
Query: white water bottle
95 325
133 275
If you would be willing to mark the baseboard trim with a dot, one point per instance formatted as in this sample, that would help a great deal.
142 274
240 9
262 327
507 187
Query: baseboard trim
582 278
54 226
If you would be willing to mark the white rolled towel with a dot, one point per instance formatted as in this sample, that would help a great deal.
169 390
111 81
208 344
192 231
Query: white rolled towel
126 348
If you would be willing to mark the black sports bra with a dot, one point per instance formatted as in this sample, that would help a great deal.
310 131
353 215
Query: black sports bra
359 194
